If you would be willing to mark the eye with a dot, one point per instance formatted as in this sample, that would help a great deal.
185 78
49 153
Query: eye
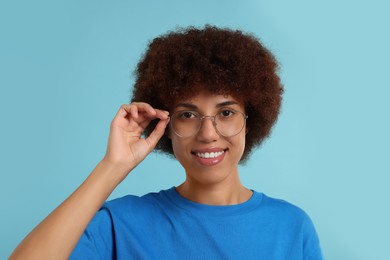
187 115
227 113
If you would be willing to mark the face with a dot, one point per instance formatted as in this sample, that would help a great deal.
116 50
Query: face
207 156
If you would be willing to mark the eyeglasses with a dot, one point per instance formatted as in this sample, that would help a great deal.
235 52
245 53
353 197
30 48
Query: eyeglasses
227 122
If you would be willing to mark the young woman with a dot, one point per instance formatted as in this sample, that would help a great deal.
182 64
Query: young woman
207 97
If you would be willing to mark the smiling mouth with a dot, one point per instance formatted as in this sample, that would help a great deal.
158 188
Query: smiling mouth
209 155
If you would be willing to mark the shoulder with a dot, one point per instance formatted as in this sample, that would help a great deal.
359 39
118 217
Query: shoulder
290 216
282 210
280 204
128 200
291 219
135 205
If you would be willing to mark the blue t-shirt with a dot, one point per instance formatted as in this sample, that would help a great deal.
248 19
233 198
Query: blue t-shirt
165 225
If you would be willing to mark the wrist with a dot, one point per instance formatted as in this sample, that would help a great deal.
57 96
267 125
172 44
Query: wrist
114 171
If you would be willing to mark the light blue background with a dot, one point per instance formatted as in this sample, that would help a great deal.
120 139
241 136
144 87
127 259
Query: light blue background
66 67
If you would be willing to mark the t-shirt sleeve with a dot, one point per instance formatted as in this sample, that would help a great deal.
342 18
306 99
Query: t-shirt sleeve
97 240
311 243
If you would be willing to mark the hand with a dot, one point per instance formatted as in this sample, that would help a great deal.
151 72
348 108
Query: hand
56 236
126 147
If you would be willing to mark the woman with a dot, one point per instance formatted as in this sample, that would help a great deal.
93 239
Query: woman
207 97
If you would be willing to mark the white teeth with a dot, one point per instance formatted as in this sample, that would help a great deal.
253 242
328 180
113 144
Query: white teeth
209 155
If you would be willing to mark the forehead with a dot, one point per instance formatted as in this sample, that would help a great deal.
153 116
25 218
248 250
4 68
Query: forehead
206 99
192 90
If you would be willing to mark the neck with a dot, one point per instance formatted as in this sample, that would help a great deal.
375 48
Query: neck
216 193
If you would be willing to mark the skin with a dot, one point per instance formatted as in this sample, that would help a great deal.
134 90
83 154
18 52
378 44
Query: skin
57 235
216 184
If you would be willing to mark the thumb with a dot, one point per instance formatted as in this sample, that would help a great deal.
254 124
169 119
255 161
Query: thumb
157 133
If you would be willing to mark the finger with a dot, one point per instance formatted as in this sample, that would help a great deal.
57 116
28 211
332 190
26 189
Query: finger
144 107
128 109
157 133
162 114
123 111
147 111
145 122
133 111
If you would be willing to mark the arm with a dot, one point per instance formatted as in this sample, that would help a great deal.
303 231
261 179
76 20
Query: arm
57 235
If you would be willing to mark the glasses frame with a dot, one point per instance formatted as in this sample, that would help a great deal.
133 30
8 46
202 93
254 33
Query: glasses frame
201 117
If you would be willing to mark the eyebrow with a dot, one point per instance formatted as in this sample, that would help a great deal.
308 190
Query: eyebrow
227 103
219 105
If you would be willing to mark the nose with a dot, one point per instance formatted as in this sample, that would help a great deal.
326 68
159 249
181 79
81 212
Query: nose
207 131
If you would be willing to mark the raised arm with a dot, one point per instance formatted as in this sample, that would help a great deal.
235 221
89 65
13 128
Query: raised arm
57 235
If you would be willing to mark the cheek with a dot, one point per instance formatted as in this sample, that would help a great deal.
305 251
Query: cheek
174 145
242 146
178 146
239 144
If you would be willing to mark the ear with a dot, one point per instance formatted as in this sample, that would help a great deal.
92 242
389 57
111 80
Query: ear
246 130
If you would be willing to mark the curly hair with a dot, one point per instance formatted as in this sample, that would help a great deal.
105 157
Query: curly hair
179 64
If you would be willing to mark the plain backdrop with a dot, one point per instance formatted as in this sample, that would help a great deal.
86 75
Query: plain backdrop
67 66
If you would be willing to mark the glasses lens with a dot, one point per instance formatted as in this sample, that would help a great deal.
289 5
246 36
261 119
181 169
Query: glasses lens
185 123
229 123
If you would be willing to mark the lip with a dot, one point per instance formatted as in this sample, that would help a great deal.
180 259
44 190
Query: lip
209 161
